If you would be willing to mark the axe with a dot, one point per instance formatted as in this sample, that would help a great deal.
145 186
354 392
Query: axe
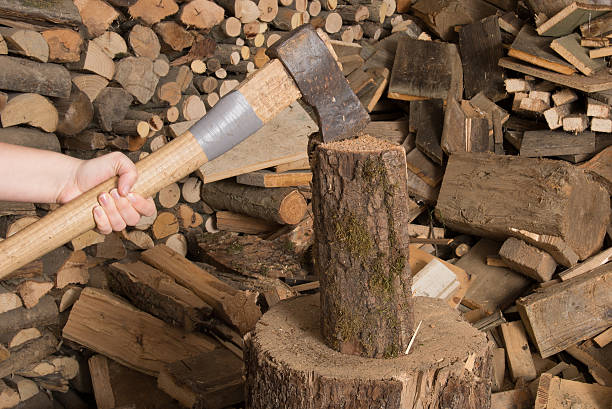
302 67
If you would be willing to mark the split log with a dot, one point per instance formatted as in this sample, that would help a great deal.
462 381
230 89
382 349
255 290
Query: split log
108 325
75 112
158 294
153 11
22 75
74 270
235 307
112 44
30 109
44 313
287 349
574 311
202 14
69 298
212 380
228 221
287 19
144 42
178 243
465 129
174 35
97 15
139 239
136 75
9 397
64 45
188 218
346 232
282 205
27 43
269 179
90 84
95 60
166 224
247 254
26 387
554 392
111 248
577 229
600 167
9 301
32 291
29 353
527 260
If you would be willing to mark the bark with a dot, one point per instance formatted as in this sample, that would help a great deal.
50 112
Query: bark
289 366
22 75
361 246
44 313
28 354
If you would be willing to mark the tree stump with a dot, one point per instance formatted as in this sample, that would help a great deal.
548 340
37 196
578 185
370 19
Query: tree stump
361 246
289 366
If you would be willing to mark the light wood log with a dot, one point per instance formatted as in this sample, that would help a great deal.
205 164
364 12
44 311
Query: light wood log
64 45
9 397
169 196
24 336
144 42
74 113
26 387
138 238
32 291
97 15
29 353
202 14
28 76
235 307
136 75
165 225
28 43
90 84
74 269
174 35
95 60
31 109
153 11
111 43
520 362
267 10
69 298
9 301
112 332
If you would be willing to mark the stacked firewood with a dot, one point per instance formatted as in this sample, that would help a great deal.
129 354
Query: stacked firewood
233 239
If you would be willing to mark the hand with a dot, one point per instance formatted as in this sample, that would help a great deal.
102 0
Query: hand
118 208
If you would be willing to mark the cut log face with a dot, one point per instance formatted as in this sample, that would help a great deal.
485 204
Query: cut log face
153 11
287 349
136 75
31 109
202 14
575 212
64 45
111 43
366 286
97 15
32 291
27 43
144 42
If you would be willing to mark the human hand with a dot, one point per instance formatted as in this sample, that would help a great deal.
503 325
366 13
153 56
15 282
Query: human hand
118 208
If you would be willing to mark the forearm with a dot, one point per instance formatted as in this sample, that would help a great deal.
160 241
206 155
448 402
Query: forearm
33 175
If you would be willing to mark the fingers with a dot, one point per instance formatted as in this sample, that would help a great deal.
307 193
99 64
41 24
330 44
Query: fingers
116 212
126 170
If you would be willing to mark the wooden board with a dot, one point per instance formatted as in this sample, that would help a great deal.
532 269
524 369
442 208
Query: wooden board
563 314
552 143
530 47
492 287
480 45
601 81
108 325
520 362
267 178
283 139
557 393
570 18
429 124
569 48
425 69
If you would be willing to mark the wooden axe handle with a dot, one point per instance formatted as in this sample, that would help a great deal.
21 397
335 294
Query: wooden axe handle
269 91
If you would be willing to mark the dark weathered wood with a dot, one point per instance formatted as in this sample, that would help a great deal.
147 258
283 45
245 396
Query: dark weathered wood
44 313
424 168
392 131
556 202
30 137
425 69
570 49
246 255
527 259
600 167
75 112
551 143
52 11
566 313
465 130
213 380
530 47
367 178
569 18
22 75
111 105
288 364
555 392
480 45
429 124
158 294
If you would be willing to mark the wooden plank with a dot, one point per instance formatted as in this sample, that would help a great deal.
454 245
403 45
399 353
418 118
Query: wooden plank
108 325
520 362
465 129
601 81
566 313
424 168
598 27
530 47
485 105
599 372
492 287
267 178
434 280
512 399
604 338
587 265
554 143
557 393
425 69
240 223
600 52
283 139
391 131
236 307
548 7
429 125
480 45
569 48
570 18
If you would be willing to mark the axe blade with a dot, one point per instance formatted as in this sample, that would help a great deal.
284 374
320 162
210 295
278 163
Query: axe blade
339 112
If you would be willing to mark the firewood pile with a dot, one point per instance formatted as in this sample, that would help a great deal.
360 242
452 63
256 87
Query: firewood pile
503 108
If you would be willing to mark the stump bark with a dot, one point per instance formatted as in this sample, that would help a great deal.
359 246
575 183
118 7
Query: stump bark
361 246
289 366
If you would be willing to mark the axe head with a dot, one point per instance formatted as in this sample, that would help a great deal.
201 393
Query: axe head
339 112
